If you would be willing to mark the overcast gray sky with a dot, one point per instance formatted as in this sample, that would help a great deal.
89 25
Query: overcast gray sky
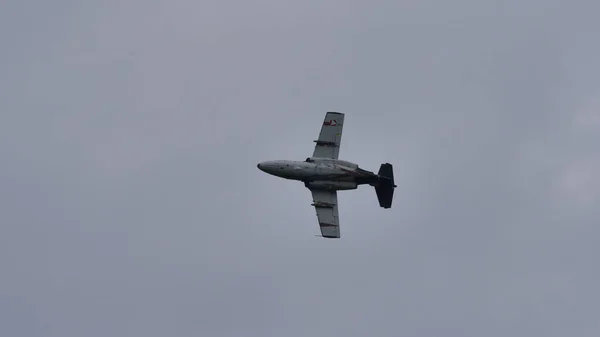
131 204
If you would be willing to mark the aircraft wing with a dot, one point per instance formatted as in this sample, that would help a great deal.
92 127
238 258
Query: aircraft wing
326 205
328 144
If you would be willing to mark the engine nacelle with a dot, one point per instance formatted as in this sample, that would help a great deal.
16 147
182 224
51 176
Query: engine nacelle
332 185
332 161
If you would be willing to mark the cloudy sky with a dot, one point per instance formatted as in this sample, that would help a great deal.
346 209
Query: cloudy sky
131 204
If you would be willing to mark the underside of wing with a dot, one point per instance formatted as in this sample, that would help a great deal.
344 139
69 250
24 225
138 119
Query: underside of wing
326 205
330 137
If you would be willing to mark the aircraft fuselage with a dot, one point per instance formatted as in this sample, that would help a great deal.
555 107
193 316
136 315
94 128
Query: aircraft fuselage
322 173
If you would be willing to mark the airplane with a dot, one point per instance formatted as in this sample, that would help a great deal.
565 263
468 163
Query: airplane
324 174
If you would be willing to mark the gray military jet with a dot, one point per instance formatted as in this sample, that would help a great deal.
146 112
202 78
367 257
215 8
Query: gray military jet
324 174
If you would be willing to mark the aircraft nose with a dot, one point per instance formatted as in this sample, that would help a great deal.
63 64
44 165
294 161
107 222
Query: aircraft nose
264 166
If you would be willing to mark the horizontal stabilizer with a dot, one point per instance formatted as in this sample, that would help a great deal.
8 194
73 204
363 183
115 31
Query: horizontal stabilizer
385 185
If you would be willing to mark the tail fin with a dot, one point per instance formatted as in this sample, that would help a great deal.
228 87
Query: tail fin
385 185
